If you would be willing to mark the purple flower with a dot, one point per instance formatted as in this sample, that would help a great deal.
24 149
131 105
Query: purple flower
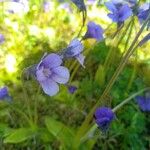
47 6
2 39
3 93
144 102
49 73
94 31
74 49
120 12
80 4
143 12
72 89
66 6
103 117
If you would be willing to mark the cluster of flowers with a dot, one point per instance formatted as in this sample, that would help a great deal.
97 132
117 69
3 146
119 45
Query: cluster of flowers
50 72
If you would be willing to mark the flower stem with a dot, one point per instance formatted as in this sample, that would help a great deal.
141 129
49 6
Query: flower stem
129 99
84 15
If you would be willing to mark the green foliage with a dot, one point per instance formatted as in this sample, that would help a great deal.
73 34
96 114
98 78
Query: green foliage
19 135
100 75
60 132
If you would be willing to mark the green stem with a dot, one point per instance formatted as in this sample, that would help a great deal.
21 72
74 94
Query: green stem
83 22
26 97
111 51
128 99
86 124
129 34
36 105
27 101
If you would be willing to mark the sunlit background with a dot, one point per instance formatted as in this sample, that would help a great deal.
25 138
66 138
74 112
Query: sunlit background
39 26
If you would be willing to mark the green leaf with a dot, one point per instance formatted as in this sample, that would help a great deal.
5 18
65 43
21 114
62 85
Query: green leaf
44 135
19 135
100 75
60 131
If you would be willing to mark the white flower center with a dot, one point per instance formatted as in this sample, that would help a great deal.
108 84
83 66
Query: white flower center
47 72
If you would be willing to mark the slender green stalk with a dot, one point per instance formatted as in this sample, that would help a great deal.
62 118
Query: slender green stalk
26 97
129 34
111 51
128 99
27 101
86 124
36 105
83 21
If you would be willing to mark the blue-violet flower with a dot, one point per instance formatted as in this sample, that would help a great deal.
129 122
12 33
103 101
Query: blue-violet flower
72 89
143 12
120 12
144 102
49 73
94 31
3 93
103 117
74 49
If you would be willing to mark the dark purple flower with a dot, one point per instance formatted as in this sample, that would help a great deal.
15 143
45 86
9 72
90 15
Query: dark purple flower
120 12
74 49
103 117
143 12
3 93
144 102
94 31
49 73
2 39
80 4
72 89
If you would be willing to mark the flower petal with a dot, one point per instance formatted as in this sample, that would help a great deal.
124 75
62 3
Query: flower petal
94 31
114 17
3 92
50 87
111 6
51 61
124 13
40 75
60 75
80 59
75 47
